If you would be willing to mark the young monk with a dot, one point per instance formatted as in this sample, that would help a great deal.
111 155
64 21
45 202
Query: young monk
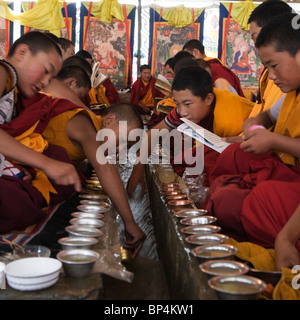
75 129
269 93
267 162
67 48
105 93
223 77
218 111
59 89
33 60
143 92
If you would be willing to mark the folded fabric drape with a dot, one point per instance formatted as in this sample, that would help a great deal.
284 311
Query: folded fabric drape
45 15
106 10
179 16
241 11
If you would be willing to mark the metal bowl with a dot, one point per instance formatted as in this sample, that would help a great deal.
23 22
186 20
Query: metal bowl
177 197
213 238
205 229
268 276
213 252
179 202
78 231
172 193
87 222
170 185
88 196
89 215
77 243
223 268
93 202
78 263
198 220
189 213
237 287
94 208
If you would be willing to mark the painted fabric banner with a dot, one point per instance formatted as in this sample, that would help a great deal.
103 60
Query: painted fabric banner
165 40
239 54
111 44
6 34
69 14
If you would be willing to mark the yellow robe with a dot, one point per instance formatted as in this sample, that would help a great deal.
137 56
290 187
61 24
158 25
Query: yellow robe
270 93
148 99
230 113
288 124
36 142
55 133
99 97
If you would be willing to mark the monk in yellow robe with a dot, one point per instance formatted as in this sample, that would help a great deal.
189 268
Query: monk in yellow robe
218 111
143 92
265 158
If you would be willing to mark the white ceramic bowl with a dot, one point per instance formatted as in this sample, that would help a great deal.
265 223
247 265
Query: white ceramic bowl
34 273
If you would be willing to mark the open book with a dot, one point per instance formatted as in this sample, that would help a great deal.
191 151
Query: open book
163 83
97 77
204 136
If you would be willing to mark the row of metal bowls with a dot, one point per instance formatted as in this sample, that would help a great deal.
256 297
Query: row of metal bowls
78 257
226 276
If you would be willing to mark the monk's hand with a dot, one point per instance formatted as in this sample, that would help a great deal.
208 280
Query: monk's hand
286 253
249 123
27 175
137 177
62 173
233 139
135 238
258 141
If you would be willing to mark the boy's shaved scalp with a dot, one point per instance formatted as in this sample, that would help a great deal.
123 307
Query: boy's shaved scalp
82 78
196 79
281 33
78 61
37 42
125 112
267 10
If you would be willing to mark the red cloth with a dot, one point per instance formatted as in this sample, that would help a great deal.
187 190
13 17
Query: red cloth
20 204
139 90
267 209
40 108
236 175
111 92
221 71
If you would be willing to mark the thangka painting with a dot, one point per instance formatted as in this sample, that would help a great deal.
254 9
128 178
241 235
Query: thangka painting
166 41
69 14
6 35
110 44
240 54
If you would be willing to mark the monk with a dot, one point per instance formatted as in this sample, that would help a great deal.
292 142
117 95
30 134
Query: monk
143 92
269 93
32 61
105 93
218 111
266 165
223 77
59 89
